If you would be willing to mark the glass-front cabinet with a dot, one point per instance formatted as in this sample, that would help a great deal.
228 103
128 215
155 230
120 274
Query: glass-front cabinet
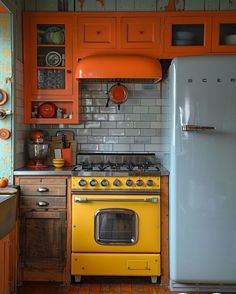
51 94
224 34
186 35
51 59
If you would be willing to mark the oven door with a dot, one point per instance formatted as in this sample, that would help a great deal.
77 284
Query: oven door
116 223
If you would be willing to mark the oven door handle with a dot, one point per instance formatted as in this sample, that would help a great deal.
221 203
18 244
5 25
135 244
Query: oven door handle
85 200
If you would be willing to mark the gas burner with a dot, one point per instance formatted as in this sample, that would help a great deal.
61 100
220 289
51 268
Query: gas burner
86 166
103 166
129 165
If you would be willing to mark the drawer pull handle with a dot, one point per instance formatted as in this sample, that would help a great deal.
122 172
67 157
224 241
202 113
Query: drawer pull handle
85 200
43 189
42 203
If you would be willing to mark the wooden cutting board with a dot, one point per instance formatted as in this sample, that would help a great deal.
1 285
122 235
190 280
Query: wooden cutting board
8 190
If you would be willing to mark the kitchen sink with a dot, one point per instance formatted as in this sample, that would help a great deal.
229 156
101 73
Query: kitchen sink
7 213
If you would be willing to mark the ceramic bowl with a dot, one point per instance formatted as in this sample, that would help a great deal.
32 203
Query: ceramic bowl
181 35
58 164
183 42
59 160
230 39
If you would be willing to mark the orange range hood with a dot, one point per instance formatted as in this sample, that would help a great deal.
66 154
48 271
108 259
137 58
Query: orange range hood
126 68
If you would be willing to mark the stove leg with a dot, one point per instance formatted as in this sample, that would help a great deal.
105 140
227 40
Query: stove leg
154 279
77 279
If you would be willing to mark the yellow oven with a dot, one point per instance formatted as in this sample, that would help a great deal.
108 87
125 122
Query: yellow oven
116 223
116 235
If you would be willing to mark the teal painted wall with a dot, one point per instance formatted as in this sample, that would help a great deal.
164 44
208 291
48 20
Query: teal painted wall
6 154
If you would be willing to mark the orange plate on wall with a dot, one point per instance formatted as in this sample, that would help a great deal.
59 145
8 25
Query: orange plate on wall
4 134
3 97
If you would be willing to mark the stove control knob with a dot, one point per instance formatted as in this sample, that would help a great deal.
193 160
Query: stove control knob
93 183
82 183
149 183
104 183
139 182
117 183
129 183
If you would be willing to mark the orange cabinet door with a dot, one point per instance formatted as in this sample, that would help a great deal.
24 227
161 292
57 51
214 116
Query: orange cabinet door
224 34
140 32
50 55
97 32
186 35
49 67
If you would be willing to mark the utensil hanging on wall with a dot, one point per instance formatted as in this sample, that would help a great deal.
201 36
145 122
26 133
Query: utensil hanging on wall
118 94
4 113
4 134
3 97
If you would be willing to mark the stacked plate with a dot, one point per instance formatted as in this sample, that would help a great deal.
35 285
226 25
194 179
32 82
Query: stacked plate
182 38
230 39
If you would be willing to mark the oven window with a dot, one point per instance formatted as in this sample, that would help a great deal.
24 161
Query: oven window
116 226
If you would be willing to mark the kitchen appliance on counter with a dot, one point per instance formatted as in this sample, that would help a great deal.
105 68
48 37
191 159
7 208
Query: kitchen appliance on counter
116 216
202 173
37 150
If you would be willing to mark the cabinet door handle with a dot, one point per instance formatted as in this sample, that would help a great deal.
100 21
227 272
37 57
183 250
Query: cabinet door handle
43 189
42 203
69 71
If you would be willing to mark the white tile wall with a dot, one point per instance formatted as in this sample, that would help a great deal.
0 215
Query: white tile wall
136 127
21 130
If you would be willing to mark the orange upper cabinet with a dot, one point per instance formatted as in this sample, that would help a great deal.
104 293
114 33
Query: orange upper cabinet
186 35
49 67
224 33
97 32
51 55
140 32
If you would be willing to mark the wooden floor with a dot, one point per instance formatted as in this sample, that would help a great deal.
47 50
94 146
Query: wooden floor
98 286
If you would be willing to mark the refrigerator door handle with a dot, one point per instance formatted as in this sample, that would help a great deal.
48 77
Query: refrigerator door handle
195 128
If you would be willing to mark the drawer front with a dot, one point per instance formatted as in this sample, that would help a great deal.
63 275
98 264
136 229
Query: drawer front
44 181
96 33
42 202
43 189
142 32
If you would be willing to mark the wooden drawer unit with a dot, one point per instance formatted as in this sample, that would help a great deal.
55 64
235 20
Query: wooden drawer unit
44 231
36 202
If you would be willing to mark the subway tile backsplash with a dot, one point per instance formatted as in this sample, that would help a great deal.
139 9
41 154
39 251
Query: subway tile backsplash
139 126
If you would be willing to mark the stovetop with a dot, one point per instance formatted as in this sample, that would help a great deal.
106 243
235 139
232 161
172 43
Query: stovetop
112 164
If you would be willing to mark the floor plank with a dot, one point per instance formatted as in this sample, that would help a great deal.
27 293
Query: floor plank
98 286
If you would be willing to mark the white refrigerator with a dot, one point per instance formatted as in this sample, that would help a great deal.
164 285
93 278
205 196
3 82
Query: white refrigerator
202 93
